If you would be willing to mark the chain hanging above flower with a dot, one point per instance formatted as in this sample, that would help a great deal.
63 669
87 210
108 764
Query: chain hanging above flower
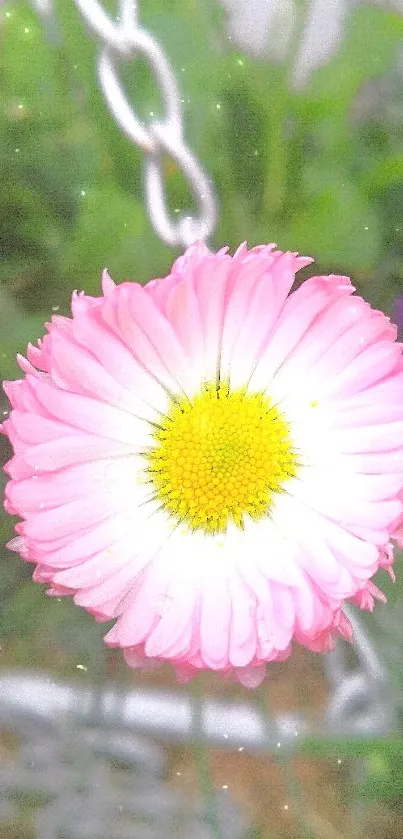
211 460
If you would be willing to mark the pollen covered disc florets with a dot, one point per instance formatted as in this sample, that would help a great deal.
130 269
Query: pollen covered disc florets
220 456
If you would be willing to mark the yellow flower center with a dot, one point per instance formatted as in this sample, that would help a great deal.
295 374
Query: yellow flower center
220 456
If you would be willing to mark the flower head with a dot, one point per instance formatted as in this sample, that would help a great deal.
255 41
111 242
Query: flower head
211 460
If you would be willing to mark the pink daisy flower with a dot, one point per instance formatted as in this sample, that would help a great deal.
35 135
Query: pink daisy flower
213 461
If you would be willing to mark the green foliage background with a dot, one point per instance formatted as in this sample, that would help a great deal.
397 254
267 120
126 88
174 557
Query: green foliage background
319 170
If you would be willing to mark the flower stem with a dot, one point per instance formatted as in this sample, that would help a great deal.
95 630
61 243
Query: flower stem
276 168
290 779
202 766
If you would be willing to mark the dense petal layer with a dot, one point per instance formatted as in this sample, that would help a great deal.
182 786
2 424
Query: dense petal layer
98 391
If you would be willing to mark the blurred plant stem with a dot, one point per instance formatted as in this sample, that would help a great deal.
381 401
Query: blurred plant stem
206 784
276 185
291 782
276 169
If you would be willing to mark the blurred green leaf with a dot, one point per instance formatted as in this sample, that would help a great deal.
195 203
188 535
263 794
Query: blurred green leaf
111 230
384 776
17 329
384 174
367 50
336 222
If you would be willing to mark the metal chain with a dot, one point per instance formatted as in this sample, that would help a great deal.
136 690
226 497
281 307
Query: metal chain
122 41
361 698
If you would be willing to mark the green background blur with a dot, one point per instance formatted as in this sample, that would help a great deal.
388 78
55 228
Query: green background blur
318 170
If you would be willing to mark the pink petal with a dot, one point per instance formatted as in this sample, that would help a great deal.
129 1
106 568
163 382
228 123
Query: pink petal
85 414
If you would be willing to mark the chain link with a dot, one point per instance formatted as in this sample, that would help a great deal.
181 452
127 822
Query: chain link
122 41
361 697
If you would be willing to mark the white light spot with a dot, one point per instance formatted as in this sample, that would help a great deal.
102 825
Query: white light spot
279 745
285 806
82 667
26 30
17 151
8 14
55 308
240 62
151 113
218 106
83 193
20 107
179 774
224 786
366 228
339 761
241 748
